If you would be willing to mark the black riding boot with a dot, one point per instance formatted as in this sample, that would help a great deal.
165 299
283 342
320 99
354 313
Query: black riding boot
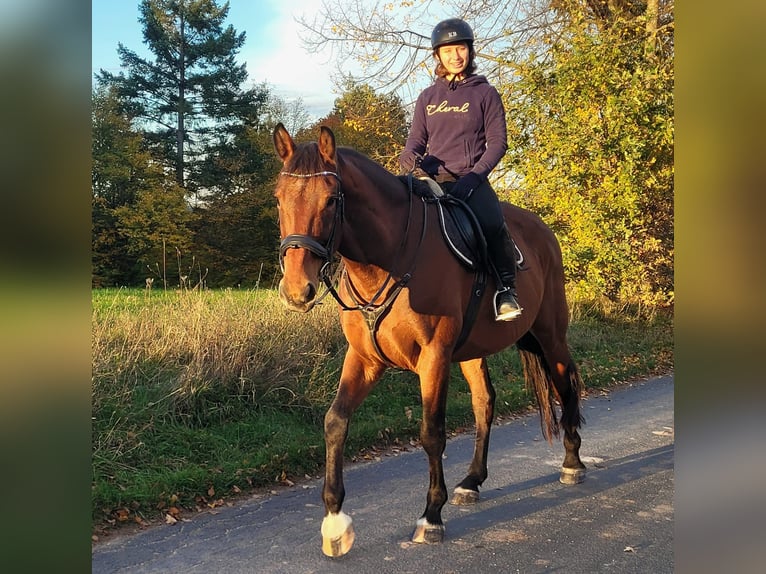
503 255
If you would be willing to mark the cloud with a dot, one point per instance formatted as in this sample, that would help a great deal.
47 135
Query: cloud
275 54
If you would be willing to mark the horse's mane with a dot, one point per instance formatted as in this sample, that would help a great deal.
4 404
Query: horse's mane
371 167
306 159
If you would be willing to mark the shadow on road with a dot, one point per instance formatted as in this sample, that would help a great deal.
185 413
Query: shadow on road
514 501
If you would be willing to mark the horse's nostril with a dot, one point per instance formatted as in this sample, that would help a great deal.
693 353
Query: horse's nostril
310 292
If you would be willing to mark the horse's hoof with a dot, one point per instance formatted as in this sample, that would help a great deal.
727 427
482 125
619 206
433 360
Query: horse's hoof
571 475
426 533
337 534
464 496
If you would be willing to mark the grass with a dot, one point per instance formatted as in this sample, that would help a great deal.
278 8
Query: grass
199 396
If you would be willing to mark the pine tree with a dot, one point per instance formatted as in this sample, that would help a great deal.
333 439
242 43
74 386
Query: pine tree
190 97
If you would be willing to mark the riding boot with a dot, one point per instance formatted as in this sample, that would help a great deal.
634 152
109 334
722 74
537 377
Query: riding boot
503 255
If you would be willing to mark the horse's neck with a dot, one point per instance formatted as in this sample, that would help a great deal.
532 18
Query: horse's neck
376 215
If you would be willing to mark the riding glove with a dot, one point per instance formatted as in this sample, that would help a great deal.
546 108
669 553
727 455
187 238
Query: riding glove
465 185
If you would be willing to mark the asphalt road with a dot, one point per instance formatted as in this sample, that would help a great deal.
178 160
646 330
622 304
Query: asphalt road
619 520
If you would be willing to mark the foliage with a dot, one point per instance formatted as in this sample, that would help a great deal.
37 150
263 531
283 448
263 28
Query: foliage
198 395
371 123
157 225
130 212
121 163
591 123
238 238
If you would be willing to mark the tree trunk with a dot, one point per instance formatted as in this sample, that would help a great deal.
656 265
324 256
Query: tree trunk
181 106
652 21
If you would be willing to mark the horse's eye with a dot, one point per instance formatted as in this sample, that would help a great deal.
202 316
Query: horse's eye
332 200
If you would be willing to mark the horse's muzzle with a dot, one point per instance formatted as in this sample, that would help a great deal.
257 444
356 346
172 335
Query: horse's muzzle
301 300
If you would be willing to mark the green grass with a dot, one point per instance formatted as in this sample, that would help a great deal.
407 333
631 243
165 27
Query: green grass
198 396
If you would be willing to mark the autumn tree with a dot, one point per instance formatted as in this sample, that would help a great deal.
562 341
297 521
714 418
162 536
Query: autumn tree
190 96
370 122
591 123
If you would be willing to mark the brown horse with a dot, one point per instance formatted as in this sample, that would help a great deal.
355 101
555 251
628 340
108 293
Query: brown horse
403 300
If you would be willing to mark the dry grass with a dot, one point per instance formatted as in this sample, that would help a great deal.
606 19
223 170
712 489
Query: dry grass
187 345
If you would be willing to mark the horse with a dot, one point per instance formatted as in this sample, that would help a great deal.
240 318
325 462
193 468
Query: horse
403 298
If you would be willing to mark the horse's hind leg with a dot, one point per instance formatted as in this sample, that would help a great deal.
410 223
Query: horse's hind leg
568 384
546 359
483 403
356 381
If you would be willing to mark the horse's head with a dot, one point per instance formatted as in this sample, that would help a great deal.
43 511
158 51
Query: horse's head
310 204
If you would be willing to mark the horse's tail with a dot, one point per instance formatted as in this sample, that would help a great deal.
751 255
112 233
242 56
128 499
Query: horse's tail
537 376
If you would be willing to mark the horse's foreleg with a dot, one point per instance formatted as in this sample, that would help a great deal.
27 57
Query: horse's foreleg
483 403
433 388
356 381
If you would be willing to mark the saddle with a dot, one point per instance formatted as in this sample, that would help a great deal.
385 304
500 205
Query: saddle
459 226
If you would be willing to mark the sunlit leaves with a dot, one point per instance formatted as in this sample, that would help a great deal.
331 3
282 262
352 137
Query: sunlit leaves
373 123
592 139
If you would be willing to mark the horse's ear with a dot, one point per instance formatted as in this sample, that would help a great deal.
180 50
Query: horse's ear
327 144
283 143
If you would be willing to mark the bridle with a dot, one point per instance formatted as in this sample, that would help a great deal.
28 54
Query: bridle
324 250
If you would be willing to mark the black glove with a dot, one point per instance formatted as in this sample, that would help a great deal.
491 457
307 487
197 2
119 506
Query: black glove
465 185
430 164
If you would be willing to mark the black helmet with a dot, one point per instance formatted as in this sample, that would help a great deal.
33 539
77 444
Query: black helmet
449 31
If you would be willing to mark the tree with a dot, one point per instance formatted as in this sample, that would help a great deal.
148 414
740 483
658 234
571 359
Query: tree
374 124
592 137
236 228
157 227
190 97
122 168
239 236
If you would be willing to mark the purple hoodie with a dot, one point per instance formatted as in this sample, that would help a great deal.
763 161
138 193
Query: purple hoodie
460 129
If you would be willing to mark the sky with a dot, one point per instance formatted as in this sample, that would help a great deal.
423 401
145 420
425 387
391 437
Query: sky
272 51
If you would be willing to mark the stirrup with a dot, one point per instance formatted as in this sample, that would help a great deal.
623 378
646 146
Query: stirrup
514 309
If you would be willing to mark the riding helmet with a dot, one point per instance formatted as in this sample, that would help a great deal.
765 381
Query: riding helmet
449 31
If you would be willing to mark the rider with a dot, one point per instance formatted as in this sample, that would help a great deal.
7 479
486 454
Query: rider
458 136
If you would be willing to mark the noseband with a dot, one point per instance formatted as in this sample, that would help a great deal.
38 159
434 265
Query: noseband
300 241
